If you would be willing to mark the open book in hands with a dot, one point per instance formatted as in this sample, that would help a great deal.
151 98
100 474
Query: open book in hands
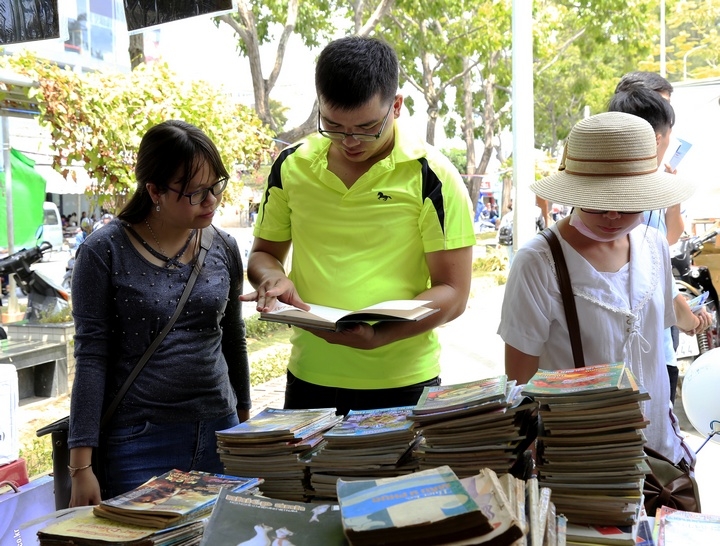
331 318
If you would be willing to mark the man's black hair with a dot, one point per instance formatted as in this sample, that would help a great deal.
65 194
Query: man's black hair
646 104
350 71
649 80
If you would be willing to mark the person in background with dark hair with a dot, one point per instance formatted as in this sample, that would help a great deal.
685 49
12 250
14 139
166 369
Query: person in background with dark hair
127 281
643 101
373 213
634 95
648 80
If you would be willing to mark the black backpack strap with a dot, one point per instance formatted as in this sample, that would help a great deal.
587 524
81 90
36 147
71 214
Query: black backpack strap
568 298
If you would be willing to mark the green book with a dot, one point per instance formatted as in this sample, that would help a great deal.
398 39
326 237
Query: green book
251 520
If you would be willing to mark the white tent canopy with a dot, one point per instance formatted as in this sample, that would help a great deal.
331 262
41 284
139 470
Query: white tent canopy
56 183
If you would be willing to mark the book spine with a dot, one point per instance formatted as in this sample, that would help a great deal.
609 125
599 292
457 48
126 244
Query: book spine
520 500
551 526
501 498
543 506
561 530
533 510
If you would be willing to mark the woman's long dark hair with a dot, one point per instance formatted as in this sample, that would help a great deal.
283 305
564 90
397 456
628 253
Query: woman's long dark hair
169 152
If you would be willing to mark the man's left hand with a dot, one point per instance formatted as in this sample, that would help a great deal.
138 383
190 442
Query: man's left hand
359 335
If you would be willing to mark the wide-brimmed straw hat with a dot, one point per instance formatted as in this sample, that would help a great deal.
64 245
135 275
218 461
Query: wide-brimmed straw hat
610 163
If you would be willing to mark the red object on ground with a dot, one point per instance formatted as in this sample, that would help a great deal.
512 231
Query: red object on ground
15 472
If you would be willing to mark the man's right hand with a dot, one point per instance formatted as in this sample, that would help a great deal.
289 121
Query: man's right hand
272 290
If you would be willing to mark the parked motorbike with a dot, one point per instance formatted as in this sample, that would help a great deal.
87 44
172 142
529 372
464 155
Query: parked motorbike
692 280
67 278
44 296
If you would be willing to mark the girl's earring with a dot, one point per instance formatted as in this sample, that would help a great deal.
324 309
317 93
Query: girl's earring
157 207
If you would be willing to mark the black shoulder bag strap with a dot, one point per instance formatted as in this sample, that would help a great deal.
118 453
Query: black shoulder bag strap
205 243
568 298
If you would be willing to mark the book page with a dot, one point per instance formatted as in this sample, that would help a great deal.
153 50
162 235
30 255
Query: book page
395 305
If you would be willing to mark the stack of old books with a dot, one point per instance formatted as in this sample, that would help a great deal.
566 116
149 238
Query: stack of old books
82 528
367 444
172 498
433 506
590 444
479 424
269 444
165 510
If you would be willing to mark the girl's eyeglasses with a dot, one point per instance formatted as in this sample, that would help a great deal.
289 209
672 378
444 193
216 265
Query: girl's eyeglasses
199 196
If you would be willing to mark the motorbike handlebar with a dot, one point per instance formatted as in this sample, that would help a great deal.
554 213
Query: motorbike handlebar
707 236
24 258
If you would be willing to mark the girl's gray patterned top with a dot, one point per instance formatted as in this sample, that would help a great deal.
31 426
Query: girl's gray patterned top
121 301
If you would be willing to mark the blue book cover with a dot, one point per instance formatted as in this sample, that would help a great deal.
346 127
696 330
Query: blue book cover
410 506
362 423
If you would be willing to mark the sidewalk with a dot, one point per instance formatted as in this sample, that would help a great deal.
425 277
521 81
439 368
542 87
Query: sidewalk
270 394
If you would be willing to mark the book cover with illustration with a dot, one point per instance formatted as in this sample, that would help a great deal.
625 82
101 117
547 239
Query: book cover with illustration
171 498
250 520
590 379
681 528
446 397
278 424
384 422
81 527
420 506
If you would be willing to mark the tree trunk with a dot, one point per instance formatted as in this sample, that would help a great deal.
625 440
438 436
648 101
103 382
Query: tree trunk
507 193
307 127
430 126
489 122
468 130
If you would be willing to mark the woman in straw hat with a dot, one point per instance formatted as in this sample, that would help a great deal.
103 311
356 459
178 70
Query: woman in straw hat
619 270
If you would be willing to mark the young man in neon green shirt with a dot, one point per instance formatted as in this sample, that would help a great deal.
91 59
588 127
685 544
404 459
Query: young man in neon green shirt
372 214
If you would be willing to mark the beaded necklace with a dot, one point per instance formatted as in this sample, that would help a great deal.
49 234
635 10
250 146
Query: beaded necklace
169 262
155 237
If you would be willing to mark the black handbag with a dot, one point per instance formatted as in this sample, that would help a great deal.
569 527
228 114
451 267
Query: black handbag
667 484
59 429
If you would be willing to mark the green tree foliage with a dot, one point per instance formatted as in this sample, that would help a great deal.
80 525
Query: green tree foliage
582 48
315 22
98 119
692 40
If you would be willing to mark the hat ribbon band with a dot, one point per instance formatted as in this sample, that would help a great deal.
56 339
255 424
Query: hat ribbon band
605 160
634 173
609 167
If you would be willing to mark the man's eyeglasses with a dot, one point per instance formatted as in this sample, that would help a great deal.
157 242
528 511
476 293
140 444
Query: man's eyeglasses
199 196
362 137
594 211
